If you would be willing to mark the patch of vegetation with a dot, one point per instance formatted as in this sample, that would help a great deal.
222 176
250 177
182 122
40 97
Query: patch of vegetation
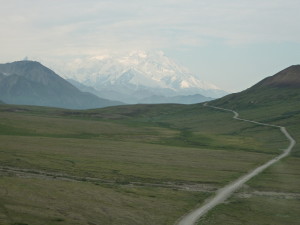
259 210
38 201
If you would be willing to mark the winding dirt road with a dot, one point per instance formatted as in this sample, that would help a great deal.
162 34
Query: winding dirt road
225 192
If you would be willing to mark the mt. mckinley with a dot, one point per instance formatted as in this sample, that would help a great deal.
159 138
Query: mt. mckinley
136 78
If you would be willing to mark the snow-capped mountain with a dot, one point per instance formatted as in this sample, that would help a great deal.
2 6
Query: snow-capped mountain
136 76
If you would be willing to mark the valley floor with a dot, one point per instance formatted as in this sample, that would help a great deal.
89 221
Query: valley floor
134 165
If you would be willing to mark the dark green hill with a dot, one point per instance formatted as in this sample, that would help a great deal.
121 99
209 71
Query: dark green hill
287 78
31 83
281 89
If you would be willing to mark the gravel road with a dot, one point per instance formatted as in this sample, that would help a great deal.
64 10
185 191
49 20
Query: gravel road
225 192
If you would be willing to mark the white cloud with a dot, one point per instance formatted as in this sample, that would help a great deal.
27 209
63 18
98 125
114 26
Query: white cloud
83 26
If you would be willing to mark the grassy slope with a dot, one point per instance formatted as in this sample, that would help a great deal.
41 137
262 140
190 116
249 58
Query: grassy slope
185 146
273 196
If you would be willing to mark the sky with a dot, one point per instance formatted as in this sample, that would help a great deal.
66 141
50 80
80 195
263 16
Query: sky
230 43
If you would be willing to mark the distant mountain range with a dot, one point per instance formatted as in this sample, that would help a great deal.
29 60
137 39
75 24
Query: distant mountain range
136 76
181 99
153 99
31 83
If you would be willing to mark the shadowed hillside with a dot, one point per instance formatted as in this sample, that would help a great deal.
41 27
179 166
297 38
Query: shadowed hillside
31 83
279 91
287 78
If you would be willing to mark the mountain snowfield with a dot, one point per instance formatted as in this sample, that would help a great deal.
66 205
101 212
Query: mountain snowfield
136 75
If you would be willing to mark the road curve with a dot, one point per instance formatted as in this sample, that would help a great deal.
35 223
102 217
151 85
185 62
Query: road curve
225 192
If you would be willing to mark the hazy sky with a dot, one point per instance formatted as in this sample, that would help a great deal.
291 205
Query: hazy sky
231 43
